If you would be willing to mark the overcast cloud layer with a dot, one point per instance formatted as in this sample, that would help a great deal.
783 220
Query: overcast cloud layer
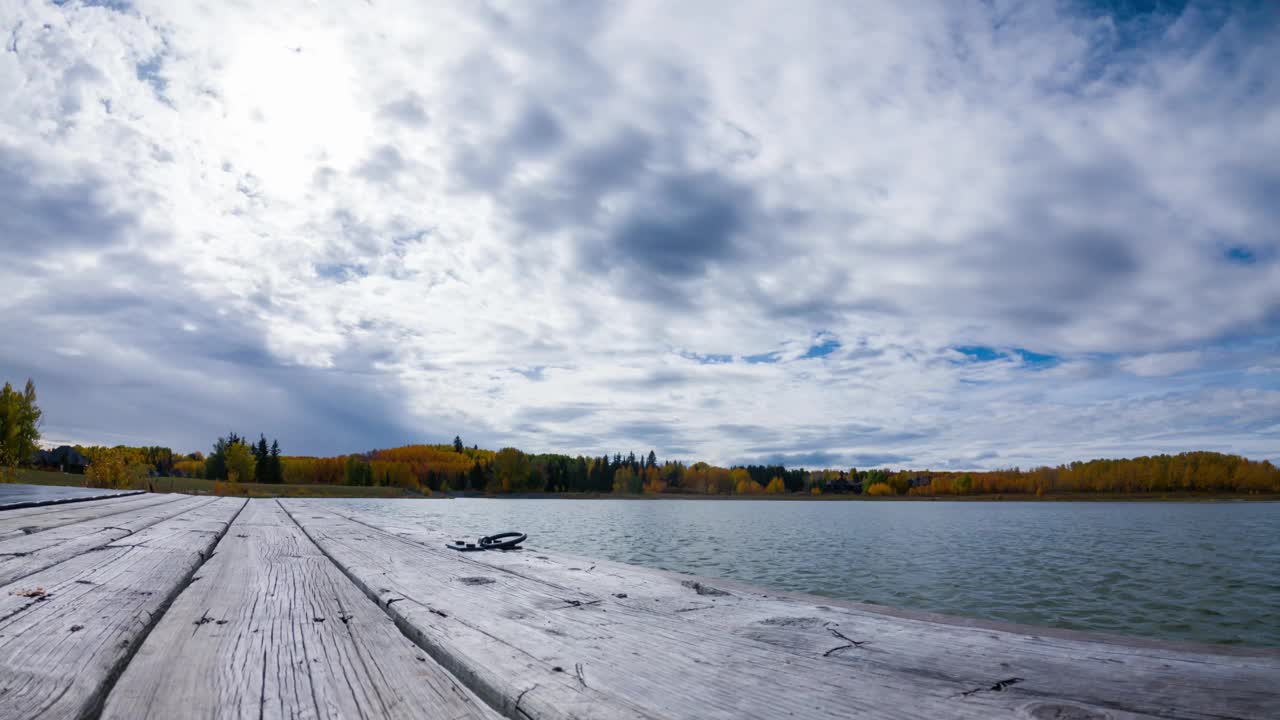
927 234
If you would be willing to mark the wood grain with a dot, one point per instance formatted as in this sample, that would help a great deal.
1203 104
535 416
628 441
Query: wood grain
668 645
66 631
28 521
300 608
21 495
273 629
28 554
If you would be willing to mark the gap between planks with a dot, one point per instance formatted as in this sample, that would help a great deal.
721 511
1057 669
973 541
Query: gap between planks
36 520
66 500
65 640
273 628
500 635
28 554
915 665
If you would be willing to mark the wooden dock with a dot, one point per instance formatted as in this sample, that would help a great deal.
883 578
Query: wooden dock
170 606
16 496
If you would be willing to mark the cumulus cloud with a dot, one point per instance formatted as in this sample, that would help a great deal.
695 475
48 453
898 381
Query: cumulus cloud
926 234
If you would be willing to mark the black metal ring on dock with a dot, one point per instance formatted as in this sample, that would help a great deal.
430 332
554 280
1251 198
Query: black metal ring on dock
502 541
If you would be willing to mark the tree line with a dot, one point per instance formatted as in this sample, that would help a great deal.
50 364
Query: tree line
237 459
1205 472
454 467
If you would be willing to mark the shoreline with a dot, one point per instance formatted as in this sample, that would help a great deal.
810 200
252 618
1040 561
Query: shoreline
1081 497
194 486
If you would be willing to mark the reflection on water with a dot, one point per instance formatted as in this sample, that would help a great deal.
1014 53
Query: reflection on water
1198 571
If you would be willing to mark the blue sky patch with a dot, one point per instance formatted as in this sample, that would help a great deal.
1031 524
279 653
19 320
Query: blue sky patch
983 353
1241 255
1036 360
979 353
823 348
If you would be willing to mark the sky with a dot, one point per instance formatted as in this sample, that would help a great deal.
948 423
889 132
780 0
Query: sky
947 235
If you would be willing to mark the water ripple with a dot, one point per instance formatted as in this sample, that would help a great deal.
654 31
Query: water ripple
1195 571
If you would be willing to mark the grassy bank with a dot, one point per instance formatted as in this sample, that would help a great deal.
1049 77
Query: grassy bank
194 486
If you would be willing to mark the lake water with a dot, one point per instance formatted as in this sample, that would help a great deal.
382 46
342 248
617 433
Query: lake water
1208 572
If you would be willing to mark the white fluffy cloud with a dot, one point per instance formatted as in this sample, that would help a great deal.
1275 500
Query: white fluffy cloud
928 234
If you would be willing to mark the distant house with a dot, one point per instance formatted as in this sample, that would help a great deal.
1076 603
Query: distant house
921 480
63 459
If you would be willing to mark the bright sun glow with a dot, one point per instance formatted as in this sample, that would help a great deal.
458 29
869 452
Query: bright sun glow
292 107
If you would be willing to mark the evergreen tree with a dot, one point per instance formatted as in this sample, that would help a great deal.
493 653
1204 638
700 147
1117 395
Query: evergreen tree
262 460
277 468
604 478
457 444
216 464
653 459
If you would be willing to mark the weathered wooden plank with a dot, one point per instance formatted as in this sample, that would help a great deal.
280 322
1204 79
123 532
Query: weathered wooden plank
544 650
66 631
27 554
1158 679
913 663
273 629
43 510
17 496
16 523
86 510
